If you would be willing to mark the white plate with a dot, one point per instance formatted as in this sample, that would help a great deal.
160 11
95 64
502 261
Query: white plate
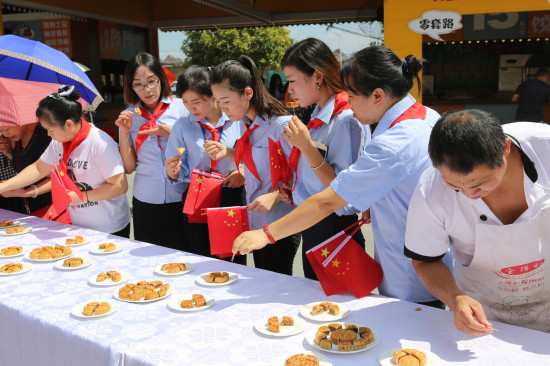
280 360
386 357
168 293
285 331
26 230
28 257
125 276
26 267
96 250
87 262
25 250
201 279
310 338
15 222
63 242
175 302
305 311
188 268
77 309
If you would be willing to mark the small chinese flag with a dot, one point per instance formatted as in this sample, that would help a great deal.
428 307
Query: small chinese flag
69 184
278 164
205 191
60 197
318 255
225 224
354 268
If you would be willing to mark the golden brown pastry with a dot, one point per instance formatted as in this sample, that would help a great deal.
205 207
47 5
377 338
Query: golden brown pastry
78 239
73 262
287 321
302 360
217 277
6 223
96 308
317 309
49 252
15 229
334 326
70 241
409 357
325 344
13 250
345 347
342 335
359 343
114 275
143 290
319 336
187 304
292 104
108 247
11 268
199 300
180 150
173 267
273 324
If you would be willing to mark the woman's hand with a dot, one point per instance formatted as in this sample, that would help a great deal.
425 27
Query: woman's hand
124 121
250 240
285 194
265 202
173 167
365 216
297 134
235 179
18 192
216 150
160 130
75 200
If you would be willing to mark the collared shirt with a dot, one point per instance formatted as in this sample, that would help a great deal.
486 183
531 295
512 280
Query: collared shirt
441 218
189 134
269 127
383 179
150 182
346 139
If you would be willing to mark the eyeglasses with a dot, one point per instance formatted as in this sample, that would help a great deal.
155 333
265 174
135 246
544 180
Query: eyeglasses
150 85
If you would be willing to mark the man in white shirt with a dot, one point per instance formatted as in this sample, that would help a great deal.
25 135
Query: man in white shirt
489 200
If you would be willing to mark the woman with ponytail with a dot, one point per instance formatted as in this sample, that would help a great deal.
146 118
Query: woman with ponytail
331 142
384 177
238 88
89 157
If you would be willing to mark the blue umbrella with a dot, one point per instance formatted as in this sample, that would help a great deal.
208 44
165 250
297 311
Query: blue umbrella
23 59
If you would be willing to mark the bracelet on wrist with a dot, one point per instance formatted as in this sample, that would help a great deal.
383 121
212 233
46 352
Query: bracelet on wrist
87 200
35 191
269 235
317 167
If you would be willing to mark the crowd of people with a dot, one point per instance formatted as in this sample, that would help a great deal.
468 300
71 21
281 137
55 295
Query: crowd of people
426 182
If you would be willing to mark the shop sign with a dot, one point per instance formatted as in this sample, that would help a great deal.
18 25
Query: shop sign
539 24
56 33
495 26
434 23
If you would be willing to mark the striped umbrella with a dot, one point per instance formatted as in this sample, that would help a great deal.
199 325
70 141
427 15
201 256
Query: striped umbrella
20 98
24 59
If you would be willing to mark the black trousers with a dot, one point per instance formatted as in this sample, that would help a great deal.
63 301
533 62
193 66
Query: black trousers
278 257
159 224
323 230
125 233
197 238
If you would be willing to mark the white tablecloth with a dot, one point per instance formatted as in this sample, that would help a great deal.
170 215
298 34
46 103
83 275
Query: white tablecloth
38 329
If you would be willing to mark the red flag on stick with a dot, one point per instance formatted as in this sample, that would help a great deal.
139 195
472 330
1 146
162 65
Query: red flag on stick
225 224
69 184
341 263
60 197
205 191
278 164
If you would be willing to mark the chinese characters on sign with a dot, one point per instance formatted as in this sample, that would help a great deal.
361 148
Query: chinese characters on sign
435 22
57 34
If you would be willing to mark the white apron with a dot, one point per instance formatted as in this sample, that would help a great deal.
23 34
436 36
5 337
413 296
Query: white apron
510 271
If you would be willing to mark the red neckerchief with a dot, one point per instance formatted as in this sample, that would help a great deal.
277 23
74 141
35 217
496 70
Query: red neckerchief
243 151
340 104
215 137
69 147
417 110
159 110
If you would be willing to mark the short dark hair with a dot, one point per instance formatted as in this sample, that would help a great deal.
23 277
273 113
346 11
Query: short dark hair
152 64
543 71
379 67
466 138
195 78
241 73
58 107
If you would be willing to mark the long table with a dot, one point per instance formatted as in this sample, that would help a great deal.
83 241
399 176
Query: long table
37 327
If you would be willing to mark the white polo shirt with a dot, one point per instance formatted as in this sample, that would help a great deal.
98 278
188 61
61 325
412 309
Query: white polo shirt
439 216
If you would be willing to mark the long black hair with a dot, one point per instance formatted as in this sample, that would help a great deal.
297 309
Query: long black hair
58 107
242 73
195 78
147 60
379 67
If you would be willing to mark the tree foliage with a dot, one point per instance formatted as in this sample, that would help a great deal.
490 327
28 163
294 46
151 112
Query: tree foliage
266 46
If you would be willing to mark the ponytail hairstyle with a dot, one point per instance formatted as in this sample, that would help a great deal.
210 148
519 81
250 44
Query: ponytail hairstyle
195 78
312 54
150 62
241 73
378 67
58 107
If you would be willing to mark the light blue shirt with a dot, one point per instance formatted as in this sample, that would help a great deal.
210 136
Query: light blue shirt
269 127
345 138
383 179
189 134
150 182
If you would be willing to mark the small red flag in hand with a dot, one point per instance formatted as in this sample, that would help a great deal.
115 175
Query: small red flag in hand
225 224
205 191
278 164
69 184
60 197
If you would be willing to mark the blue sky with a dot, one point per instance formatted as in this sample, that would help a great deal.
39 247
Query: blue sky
350 37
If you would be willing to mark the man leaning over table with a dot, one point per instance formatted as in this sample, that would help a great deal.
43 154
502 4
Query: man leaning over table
488 198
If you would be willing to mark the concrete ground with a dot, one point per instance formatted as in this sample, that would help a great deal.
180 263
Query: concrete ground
297 268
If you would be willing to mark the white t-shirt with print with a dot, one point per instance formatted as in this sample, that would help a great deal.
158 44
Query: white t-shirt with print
96 159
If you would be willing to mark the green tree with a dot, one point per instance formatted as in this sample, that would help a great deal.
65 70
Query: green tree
266 46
